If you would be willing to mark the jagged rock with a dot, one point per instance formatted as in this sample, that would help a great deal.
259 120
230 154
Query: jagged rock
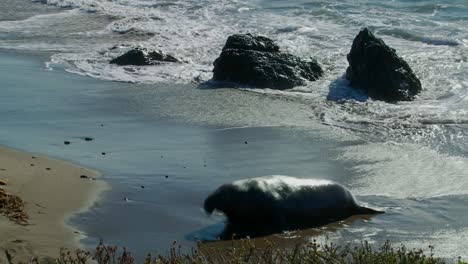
142 57
376 68
257 61
250 42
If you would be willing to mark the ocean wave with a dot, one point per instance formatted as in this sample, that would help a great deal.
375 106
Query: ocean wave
407 35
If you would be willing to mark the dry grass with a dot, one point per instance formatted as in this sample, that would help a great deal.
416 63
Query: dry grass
248 253
13 207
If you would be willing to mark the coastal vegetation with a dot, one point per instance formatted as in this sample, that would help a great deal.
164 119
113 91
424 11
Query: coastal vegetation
12 207
247 251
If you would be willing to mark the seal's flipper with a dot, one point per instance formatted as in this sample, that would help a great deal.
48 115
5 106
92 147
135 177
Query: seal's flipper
367 211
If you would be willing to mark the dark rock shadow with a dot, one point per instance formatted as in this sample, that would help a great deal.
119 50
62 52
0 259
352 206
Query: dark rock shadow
340 91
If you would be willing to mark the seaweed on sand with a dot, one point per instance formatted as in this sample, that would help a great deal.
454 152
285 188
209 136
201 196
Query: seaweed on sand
12 207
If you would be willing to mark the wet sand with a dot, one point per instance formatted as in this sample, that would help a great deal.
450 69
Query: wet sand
52 191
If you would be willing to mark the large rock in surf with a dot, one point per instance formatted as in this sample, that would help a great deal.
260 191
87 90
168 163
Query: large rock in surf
257 61
142 57
376 68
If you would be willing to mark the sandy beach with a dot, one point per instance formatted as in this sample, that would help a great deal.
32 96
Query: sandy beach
52 190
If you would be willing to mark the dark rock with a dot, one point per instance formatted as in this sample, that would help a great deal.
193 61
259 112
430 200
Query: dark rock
142 57
249 42
84 177
132 57
159 56
256 61
67 142
376 68
47 168
88 139
103 153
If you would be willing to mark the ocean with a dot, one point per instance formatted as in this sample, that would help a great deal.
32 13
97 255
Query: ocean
409 159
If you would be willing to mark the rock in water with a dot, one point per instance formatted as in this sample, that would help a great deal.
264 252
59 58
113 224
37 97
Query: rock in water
142 57
249 42
257 61
377 68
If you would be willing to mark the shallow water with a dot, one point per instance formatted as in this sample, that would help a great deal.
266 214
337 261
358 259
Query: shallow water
43 108
409 159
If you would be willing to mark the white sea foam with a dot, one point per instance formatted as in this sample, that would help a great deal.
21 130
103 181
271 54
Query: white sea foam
448 243
406 171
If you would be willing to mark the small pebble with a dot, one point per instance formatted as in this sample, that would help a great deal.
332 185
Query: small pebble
84 177
88 139
31 165
246 142
66 142
167 176
33 157
103 153
47 168
125 199
142 187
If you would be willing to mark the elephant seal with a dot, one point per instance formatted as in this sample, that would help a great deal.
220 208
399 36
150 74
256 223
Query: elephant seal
271 204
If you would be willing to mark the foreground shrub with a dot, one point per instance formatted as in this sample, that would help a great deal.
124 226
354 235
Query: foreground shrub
247 252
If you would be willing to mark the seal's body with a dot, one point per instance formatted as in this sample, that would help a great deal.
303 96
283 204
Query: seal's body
278 203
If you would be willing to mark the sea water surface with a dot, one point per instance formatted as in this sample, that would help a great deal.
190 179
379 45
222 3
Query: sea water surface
409 159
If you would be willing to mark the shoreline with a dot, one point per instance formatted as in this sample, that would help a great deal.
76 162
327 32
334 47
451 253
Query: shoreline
52 191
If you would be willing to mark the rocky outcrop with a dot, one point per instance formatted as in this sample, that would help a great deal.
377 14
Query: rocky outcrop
142 57
257 61
249 42
376 68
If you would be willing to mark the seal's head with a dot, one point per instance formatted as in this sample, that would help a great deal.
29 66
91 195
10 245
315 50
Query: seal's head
210 204
217 200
